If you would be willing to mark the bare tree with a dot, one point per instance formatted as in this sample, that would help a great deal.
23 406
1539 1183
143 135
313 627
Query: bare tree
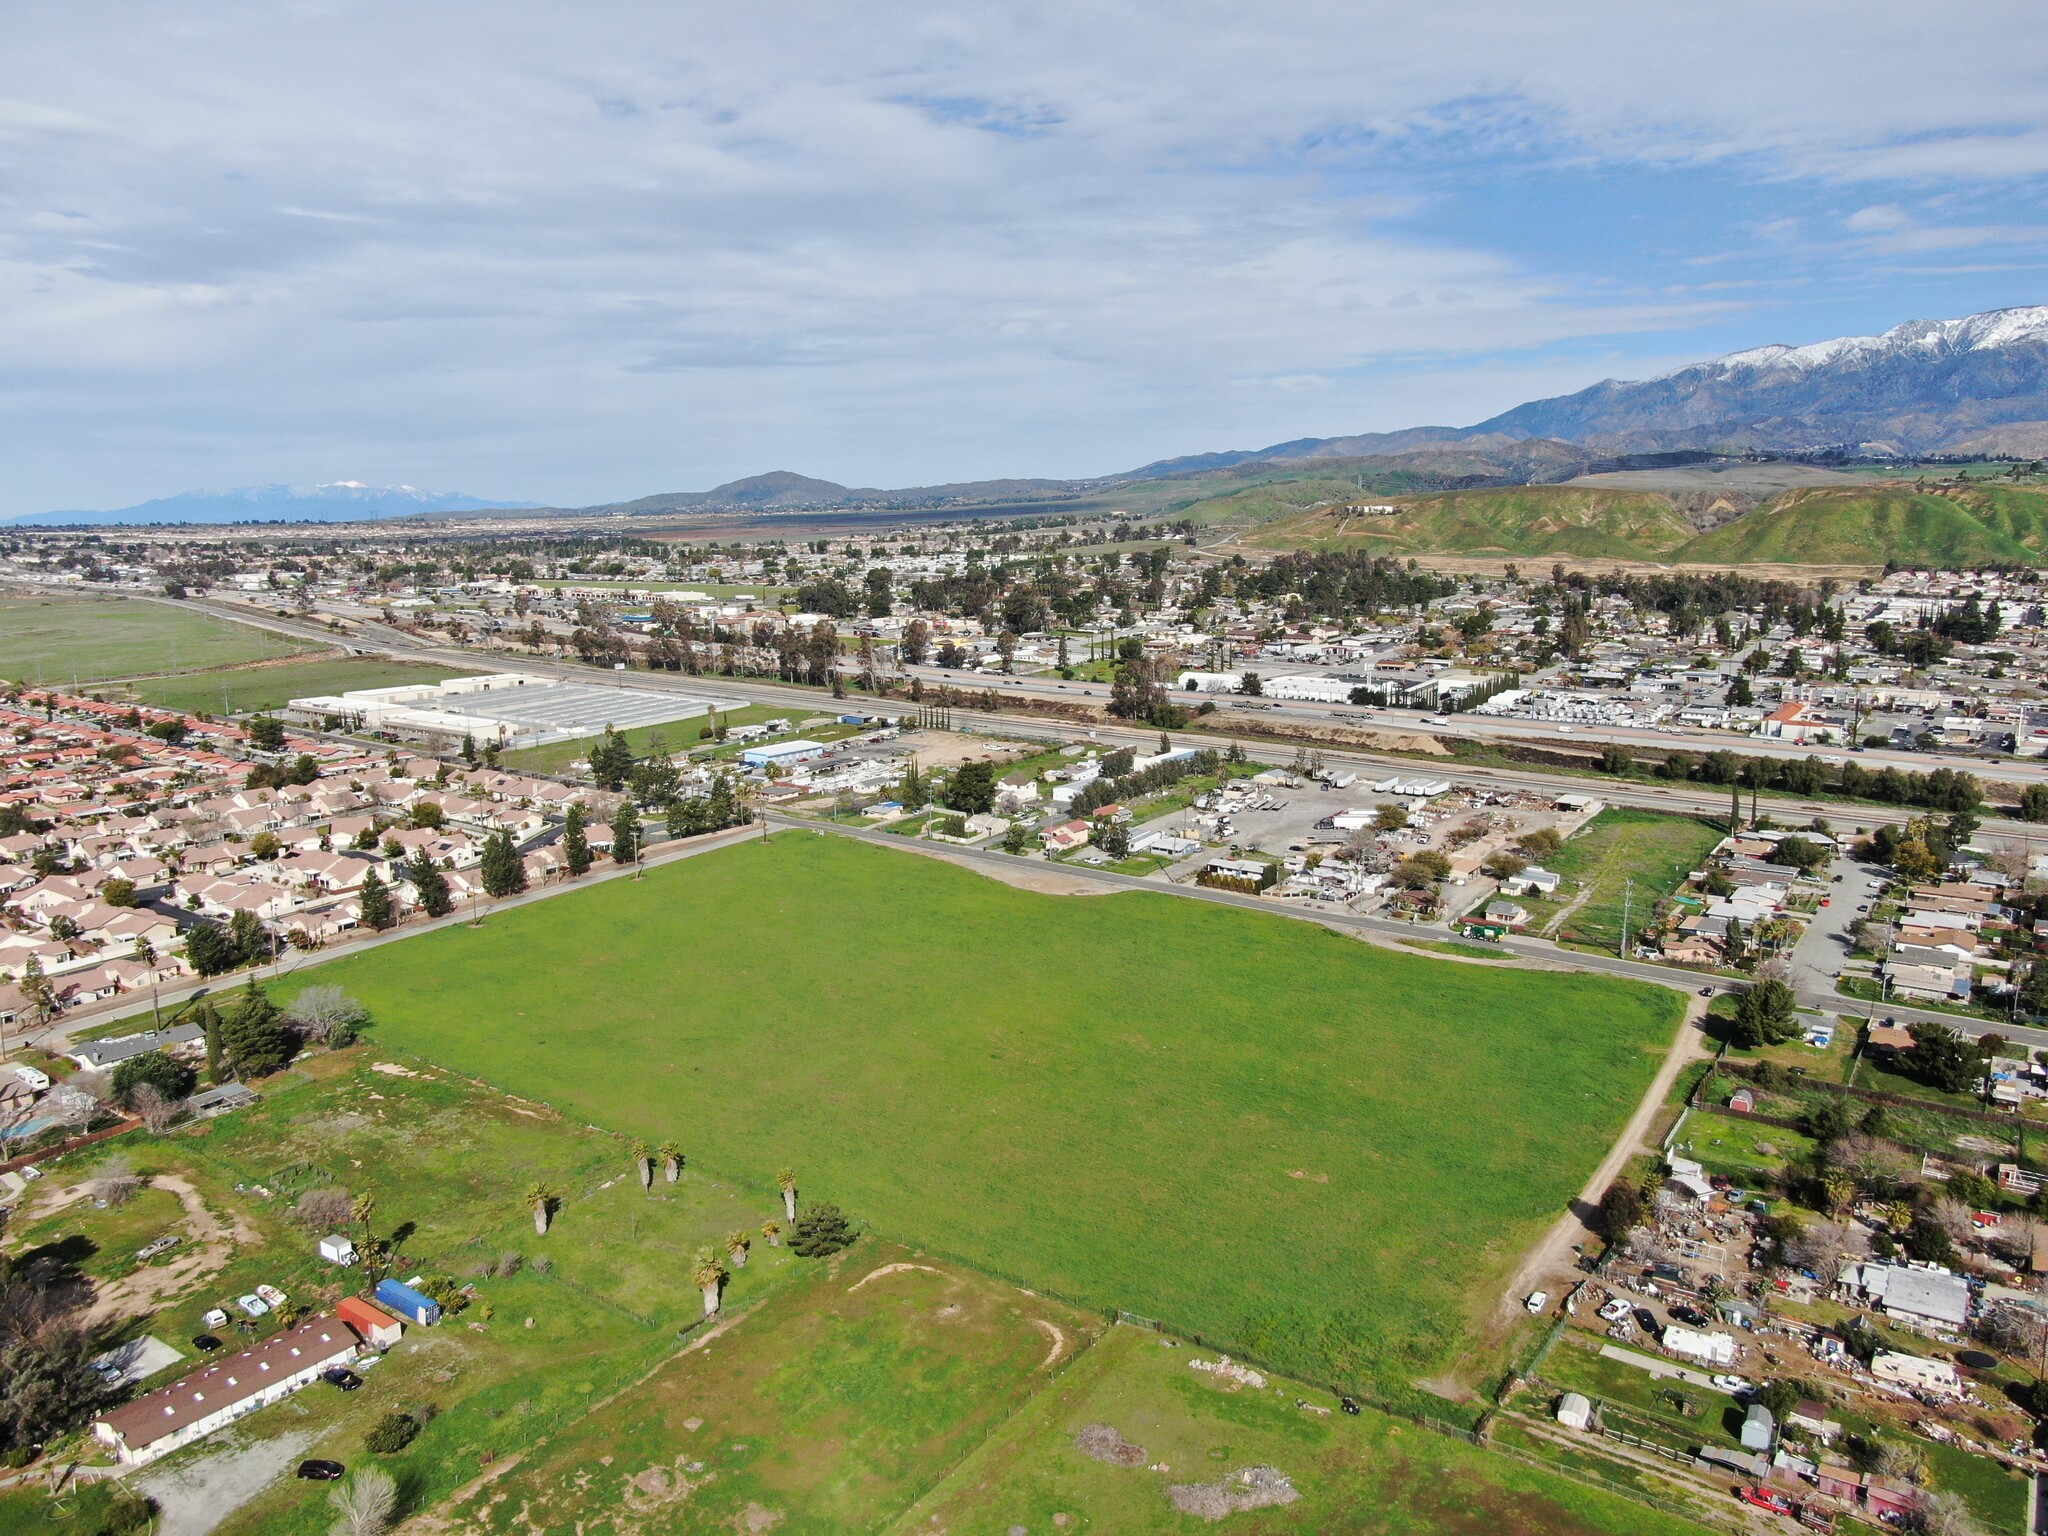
69 1107
157 1109
117 1182
2014 1238
2014 1330
1826 1248
1877 1166
1951 1216
364 1504
1943 1514
319 1011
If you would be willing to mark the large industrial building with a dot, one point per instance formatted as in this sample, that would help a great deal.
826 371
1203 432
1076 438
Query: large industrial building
511 709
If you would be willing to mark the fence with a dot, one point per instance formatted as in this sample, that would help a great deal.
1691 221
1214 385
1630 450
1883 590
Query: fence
70 1144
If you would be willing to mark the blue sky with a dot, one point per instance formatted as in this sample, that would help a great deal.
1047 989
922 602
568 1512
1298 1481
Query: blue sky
574 254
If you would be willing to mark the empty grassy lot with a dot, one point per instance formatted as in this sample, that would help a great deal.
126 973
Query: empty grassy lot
1370 1473
274 685
675 736
1251 1127
829 1410
1656 851
54 639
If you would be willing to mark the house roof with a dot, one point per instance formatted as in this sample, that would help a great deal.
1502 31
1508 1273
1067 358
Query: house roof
220 1386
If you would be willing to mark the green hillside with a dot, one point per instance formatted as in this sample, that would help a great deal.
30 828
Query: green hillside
1848 525
1527 520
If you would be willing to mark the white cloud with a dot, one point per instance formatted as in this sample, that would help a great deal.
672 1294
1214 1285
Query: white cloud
570 253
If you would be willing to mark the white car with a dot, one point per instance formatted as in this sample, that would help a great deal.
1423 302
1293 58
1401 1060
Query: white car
255 1306
1733 1385
271 1294
215 1319
1537 1301
1614 1311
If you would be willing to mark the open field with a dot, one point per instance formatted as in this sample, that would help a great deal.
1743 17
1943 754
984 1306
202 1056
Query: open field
1348 1166
831 1409
1369 1473
676 736
1653 850
272 686
53 640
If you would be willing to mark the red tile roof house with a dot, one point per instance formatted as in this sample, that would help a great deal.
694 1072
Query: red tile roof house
195 1406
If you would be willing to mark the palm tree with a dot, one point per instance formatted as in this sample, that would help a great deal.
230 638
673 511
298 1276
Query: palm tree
772 1230
543 1199
708 1275
360 1210
736 1245
671 1159
643 1163
787 1179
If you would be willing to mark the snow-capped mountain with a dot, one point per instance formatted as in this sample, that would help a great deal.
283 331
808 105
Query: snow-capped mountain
340 501
1978 384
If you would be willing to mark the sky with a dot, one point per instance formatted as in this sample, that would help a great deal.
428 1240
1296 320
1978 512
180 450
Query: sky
571 254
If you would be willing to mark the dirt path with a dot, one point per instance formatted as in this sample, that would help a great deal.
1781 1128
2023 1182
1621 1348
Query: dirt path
212 1240
890 1269
1553 1257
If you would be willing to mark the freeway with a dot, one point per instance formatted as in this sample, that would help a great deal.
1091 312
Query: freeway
1677 797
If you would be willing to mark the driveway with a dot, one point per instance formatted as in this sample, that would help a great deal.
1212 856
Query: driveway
196 1496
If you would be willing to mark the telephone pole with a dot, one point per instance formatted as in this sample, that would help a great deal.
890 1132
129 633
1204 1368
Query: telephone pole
1627 892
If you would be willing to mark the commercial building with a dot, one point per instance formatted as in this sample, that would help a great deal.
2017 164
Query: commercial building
511 709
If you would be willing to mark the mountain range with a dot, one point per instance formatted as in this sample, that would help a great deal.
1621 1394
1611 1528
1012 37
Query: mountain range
341 501
1970 387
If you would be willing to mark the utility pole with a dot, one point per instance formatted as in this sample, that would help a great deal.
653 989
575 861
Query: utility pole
1627 892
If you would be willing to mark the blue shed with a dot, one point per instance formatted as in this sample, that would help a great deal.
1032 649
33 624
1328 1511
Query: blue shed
407 1302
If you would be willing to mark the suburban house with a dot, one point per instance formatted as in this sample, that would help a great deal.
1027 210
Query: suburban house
195 1406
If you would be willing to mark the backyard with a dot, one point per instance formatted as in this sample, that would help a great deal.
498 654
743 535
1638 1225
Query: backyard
1349 1147
1654 851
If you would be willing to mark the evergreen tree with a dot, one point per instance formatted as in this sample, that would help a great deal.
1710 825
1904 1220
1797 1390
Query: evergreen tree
209 948
376 903
216 1058
575 846
503 873
431 884
626 835
910 794
246 933
611 761
724 809
254 1037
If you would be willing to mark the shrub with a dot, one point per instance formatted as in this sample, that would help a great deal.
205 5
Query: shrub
391 1434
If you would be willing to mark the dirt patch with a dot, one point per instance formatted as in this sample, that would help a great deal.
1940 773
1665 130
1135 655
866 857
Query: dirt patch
213 1240
1246 1489
1025 874
337 1125
949 749
1103 1443
1236 723
197 1496
658 1488
891 1269
1059 1343
756 1519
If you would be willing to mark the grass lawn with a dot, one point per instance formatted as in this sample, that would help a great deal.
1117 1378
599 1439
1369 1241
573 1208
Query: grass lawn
1462 951
1657 851
54 639
271 687
1369 1473
1734 1146
1349 1147
830 1409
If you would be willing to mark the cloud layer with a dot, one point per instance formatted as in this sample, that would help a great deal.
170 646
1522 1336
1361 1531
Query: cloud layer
572 253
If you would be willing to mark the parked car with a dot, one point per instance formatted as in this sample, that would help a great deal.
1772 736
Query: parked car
1647 1319
321 1471
1764 1498
341 1376
217 1318
205 1343
1734 1385
271 1294
1692 1317
254 1305
1614 1311
1537 1301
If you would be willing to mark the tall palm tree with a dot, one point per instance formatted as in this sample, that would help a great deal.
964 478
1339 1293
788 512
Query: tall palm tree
787 1179
360 1210
736 1245
708 1275
772 1230
643 1163
671 1159
543 1199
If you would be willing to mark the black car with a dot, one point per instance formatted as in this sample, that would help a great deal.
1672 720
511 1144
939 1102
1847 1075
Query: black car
342 1377
1692 1317
1646 1319
1348 1405
206 1343
321 1471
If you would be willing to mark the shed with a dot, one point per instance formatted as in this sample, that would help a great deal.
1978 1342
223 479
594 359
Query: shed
1574 1411
378 1327
1759 1429
408 1303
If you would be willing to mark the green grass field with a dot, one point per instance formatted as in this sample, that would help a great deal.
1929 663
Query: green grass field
54 640
1251 1127
831 1409
1524 520
1369 1473
1617 846
676 736
272 686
